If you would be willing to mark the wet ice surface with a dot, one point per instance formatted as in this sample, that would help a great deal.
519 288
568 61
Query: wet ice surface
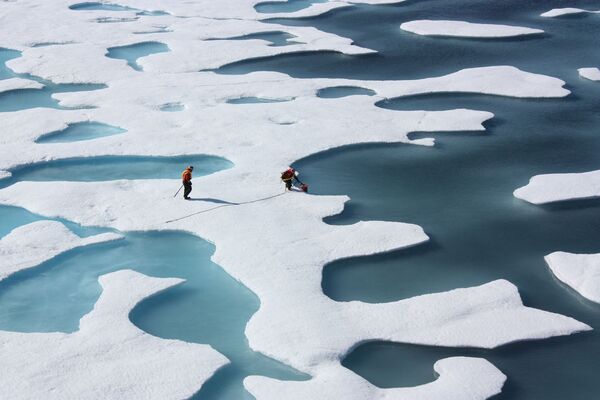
275 38
131 53
23 99
343 91
254 100
80 131
53 296
172 107
93 169
288 6
459 192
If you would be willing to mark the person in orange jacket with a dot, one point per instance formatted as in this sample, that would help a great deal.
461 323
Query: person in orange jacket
186 178
288 176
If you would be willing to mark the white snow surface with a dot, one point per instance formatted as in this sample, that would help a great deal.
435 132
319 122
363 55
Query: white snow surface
108 357
550 188
559 12
592 74
7 85
322 330
580 271
259 241
429 27
460 378
29 245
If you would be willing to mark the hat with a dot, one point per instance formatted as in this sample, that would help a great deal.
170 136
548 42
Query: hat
191 167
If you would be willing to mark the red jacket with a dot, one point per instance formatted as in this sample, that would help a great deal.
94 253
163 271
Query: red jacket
288 174
186 176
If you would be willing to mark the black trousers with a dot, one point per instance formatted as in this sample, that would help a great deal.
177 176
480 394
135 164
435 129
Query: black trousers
187 189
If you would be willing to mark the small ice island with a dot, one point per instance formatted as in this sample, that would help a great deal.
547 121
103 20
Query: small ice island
427 27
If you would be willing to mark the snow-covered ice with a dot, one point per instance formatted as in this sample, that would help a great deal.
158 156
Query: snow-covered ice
108 357
322 123
29 245
322 330
429 27
6 85
592 73
460 378
560 187
580 271
559 12
256 241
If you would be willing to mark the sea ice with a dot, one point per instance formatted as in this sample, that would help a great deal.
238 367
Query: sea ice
259 255
29 245
7 85
559 12
560 187
428 27
274 243
592 74
580 271
460 378
108 357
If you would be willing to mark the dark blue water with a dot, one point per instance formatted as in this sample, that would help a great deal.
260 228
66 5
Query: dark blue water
343 91
461 190
285 6
569 43
80 131
108 168
133 52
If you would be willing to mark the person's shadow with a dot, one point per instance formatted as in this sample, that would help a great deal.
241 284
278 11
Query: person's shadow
217 201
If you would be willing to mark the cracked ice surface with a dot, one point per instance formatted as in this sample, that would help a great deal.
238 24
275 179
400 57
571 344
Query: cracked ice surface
428 27
550 188
255 242
29 245
580 271
108 357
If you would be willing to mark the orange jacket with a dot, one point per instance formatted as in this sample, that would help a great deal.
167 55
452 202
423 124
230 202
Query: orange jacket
288 174
186 176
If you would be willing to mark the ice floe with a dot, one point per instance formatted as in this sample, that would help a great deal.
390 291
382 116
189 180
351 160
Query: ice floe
322 123
260 255
30 245
592 74
428 27
7 85
460 378
580 271
559 12
560 187
108 357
